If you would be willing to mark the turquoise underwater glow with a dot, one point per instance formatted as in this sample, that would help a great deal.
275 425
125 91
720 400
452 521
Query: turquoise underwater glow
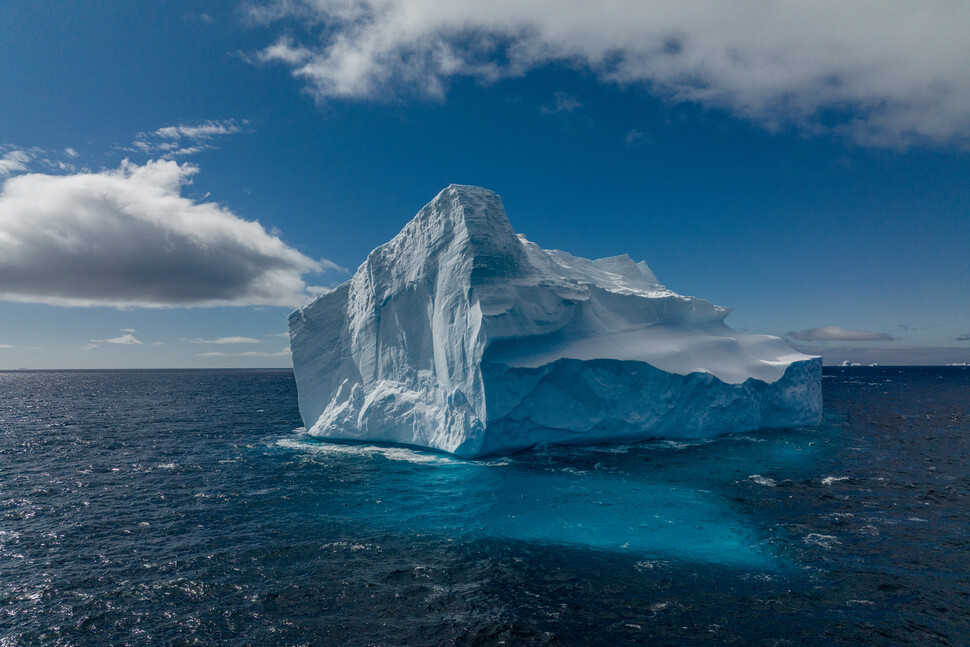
659 500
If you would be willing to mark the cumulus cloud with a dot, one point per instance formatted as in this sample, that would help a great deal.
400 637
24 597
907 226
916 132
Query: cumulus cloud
883 73
127 237
182 140
229 340
837 333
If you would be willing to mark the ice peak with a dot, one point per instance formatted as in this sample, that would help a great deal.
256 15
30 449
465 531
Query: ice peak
468 190
478 208
467 196
470 219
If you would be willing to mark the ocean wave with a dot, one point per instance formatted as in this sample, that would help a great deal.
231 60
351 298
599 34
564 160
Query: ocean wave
762 480
825 541
829 480
390 452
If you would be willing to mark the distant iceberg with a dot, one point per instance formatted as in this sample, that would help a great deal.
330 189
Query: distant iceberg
461 336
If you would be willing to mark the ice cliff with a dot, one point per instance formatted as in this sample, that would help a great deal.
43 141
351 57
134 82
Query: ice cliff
461 336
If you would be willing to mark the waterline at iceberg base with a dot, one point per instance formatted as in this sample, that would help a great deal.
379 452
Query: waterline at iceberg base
461 336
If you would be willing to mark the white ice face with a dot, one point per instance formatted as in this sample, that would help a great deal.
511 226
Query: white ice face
458 335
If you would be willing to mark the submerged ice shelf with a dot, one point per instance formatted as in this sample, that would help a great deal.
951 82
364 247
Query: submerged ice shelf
461 336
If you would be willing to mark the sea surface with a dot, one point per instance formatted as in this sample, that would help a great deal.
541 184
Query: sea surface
190 507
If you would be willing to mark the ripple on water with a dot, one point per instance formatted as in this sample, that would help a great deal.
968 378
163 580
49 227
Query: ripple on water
180 507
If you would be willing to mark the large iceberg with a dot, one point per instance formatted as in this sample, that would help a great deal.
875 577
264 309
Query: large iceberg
461 336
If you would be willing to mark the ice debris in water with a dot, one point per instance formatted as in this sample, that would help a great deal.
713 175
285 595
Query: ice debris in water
461 336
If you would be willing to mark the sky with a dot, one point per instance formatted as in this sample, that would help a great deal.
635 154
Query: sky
176 177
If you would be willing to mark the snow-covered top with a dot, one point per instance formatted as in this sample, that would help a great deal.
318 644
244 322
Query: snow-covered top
502 254
620 274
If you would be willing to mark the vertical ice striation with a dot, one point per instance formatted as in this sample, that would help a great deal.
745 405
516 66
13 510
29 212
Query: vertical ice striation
461 336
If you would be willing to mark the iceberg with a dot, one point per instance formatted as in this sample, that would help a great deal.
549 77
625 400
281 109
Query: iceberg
461 336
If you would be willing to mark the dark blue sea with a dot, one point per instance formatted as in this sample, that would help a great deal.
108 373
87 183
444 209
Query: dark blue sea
188 507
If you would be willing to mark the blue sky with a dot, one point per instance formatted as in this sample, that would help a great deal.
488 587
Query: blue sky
805 164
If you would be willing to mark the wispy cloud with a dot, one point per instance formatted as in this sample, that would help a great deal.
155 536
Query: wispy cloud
837 333
204 18
250 353
963 338
17 159
14 161
888 355
635 136
8 346
178 141
562 102
204 130
125 340
127 237
229 340
884 74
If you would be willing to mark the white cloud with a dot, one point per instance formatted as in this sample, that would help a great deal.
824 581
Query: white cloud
59 165
203 130
562 102
126 340
250 353
635 136
89 347
14 161
229 340
204 18
889 356
8 346
70 152
127 237
178 141
329 266
131 330
837 333
884 73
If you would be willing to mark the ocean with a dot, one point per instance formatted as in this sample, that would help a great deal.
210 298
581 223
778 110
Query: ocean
191 508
